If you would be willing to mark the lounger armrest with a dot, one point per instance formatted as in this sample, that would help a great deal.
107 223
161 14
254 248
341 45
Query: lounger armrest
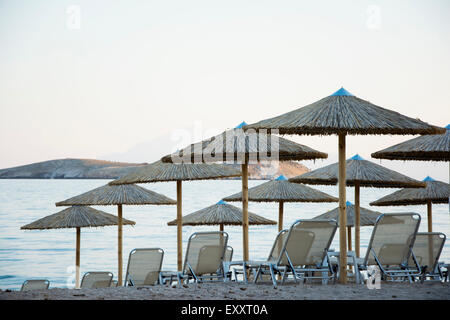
257 263
163 275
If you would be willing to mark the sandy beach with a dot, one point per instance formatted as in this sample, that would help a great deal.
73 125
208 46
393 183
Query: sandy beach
239 291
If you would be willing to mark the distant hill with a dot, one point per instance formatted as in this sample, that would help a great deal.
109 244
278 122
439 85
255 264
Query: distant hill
70 169
102 169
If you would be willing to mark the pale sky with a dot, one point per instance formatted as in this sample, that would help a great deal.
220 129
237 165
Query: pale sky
118 80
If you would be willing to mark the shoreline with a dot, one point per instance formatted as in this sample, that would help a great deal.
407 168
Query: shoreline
240 291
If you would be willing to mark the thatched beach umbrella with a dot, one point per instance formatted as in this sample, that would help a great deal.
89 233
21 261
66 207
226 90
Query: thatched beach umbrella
359 173
366 218
76 217
163 172
435 192
434 147
344 114
221 214
241 147
118 195
423 148
281 190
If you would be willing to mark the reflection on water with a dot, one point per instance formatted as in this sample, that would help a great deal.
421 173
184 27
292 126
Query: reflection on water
50 254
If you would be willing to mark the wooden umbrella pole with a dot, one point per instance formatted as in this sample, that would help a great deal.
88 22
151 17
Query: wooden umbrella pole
280 216
119 245
179 228
429 216
280 224
430 229
357 219
245 209
221 237
342 213
77 259
349 236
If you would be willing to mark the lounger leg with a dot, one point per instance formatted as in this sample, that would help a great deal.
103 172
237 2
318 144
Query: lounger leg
284 276
272 274
179 279
409 276
294 274
244 273
355 265
258 273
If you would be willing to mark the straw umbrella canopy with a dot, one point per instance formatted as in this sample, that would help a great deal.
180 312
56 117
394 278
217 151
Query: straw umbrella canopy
118 195
281 190
344 114
164 172
366 218
221 214
435 192
423 148
359 173
243 148
76 217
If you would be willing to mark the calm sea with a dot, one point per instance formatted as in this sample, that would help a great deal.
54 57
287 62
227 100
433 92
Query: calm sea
50 254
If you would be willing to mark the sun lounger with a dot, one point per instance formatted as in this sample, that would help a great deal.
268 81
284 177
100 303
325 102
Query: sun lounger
144 266
204 256
390 246
228 254
93 280
274 253
427 250
29 285
303 252
227 258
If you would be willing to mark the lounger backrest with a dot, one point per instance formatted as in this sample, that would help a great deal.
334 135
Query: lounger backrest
35 285
228 254
427 249
278 245
205 252
308 241
144 265
392 238
92 280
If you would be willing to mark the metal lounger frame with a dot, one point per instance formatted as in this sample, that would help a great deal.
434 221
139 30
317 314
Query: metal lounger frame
128 277
434 272
402 271
191 274
300 272
110 275
40 281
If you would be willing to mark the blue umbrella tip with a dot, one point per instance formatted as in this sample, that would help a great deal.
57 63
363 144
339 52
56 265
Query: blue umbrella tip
221 202
447 127
239 126
281 178
356 157
428 178
342 92
348 203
